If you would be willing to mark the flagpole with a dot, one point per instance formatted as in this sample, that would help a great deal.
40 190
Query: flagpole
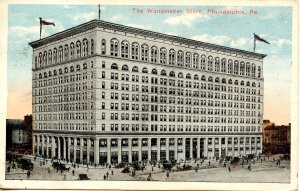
254 43
41 27
99 11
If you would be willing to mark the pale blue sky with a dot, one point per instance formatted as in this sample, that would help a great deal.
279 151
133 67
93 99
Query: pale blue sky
272 23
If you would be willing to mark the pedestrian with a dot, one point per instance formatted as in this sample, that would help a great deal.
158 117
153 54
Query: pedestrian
49 170
152 168
208 163
77 165
104 177
61 171
87 169
249 167
28 174
196 169
150 174
65 178
167 174
14 165
8 169
73 172
148 178
112 172
107 174
229 169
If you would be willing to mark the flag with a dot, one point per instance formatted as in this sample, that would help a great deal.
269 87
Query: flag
43 22
260 39
256 37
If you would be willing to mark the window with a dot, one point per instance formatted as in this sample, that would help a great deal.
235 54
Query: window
45 58
180 58
248 69
163 73
154 71
163 53
153 54
258 72
202 66
135 69
223 65
188 59
210 63
49 57
114 47
135 51
92 46
103 46
230 66
66 52
78 49
242 68
85 47
196 61
145 70
114 66
253 68
145 52
72 50
217 64
125 49
236 67
125 67
172 57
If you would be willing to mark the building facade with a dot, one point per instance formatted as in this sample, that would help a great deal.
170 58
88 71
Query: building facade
106 93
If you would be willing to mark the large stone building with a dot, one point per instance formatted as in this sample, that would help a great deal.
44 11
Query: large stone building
104 92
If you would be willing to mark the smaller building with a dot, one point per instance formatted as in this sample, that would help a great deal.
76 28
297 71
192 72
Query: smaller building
19 135
276 139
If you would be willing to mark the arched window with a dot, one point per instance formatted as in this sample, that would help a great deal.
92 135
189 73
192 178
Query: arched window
78 67
163 73
258 72
78 49
135 69
253 84
114 47
202 66
54 56
224 81
236 82
40 75
84 66
50 73
172 57
66 70
145 70
196 77
210 79
172 74
54 72
210 63
230 66
72 50
180 75
154 71
230 81
163 58
71 69
188 59
85 47
196 61
248 84
103 46
236 67
114 66
217 64
92 46
217 80
60 54
242 68
125 49
45 74
180 58
40 59
36 61
66 52
154 54
45 58
253 70
135 51
188 76
247 69
242 83
125 67
145 52
223 65
203 78
60 71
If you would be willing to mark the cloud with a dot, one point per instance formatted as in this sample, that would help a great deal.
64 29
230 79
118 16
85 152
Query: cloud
116 18
172 33
22 31
240 42
186 19
218 39
84 17
138 26
281 42
270 15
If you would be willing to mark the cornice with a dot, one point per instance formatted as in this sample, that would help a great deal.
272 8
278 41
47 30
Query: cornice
156 35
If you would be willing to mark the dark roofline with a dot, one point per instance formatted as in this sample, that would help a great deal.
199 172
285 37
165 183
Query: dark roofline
99 23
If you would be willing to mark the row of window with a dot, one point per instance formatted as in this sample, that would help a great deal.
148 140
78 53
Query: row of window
65 53
179 58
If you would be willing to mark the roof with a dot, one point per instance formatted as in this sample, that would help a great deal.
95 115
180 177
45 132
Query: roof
108 25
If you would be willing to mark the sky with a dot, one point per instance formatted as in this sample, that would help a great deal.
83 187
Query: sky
233 30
